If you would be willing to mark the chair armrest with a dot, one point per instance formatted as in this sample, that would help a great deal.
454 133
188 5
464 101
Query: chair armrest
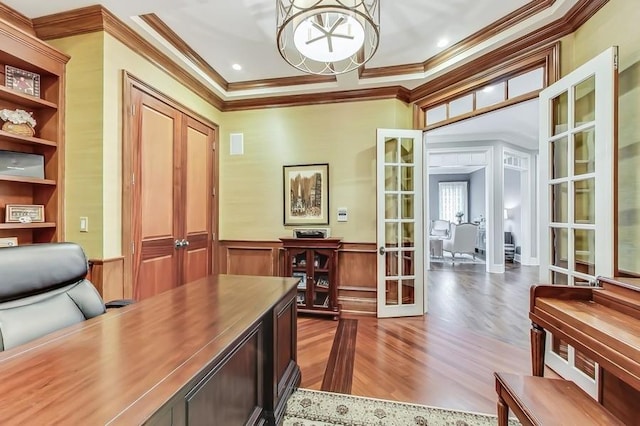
119 303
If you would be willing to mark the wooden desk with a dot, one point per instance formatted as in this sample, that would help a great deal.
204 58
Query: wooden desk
603 323
221 350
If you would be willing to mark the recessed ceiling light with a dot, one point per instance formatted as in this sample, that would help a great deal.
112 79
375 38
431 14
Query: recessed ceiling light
443 42
236 67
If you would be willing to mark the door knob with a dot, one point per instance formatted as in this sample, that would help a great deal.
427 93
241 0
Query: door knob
178 243
185 243
381 251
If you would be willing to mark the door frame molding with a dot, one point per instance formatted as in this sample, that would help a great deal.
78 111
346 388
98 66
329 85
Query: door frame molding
129 82
529 215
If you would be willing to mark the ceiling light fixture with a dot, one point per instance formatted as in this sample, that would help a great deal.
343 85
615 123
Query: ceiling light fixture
327 37
442 42
236 67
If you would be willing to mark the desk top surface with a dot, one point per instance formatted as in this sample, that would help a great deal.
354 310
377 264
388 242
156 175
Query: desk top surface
120 367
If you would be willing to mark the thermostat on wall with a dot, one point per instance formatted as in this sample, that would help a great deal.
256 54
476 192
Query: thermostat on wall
342 214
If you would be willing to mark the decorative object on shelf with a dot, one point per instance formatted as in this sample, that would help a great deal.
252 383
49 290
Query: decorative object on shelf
327 37
312 233
24 213
19 122
306 194
22 81
302 285
8 242
16 163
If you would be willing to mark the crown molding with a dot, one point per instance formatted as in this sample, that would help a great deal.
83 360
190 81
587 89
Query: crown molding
530 9
391 92
158 25
550 33
97 18
17 19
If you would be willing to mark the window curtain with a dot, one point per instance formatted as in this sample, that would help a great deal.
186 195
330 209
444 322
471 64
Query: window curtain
453 199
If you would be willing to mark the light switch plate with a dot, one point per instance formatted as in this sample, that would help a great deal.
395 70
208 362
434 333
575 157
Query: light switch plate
84 224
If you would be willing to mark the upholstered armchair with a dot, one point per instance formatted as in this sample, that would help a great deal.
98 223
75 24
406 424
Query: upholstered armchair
440 229
463 240
43 289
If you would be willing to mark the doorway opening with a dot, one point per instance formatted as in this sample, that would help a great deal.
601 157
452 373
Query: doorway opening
489 142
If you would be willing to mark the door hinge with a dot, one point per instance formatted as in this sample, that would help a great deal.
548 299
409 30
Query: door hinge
213 146
133 178
213 236
133 247
133 110
213 192
616 58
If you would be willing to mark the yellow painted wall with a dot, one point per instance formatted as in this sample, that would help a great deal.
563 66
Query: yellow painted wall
94 133
343 135
83 149
118 57
617 24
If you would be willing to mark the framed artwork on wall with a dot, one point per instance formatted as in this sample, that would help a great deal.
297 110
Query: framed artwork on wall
306 194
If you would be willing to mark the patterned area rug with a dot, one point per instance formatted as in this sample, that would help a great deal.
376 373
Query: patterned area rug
316 408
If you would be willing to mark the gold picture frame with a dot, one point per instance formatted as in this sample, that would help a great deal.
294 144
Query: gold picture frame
22 81
24 213
306 194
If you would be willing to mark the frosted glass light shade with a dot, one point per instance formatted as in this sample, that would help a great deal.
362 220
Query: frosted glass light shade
327 37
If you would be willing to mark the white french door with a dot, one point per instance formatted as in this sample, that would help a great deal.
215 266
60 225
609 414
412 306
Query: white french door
577 169
401 274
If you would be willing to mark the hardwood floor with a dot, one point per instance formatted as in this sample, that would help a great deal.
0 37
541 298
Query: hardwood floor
477 324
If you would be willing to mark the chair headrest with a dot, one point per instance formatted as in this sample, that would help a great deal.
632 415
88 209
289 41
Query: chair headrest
37 268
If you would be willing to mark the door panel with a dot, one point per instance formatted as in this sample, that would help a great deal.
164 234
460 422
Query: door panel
577 169
169 202
197 189
195 265
159 195
156 180
401 275
198 178
154 273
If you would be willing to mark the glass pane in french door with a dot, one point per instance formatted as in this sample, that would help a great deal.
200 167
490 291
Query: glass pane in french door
399 219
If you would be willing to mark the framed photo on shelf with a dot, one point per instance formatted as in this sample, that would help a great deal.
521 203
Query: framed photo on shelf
22 81
306 194
8 242
302 285
24 213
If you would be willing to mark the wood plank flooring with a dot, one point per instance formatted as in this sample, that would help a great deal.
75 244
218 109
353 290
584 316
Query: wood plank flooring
338 375
477 324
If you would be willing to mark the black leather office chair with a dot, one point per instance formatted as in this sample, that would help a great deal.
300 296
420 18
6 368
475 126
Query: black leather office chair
43 289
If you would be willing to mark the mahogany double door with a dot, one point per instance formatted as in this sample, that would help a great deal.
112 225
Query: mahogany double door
172 187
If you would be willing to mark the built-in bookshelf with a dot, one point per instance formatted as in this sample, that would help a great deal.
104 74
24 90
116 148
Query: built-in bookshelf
24 54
